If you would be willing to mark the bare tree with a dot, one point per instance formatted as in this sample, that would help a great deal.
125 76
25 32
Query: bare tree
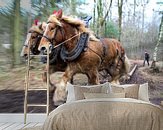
94 14
159 41
107 13
144 3
102 14
134 15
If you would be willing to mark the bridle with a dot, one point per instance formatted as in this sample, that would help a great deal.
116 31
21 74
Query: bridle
52 40
34 46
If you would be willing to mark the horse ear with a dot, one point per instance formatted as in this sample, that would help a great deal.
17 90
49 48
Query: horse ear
59 13
36 22
54 12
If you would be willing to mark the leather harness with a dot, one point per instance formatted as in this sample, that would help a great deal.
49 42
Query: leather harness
79 48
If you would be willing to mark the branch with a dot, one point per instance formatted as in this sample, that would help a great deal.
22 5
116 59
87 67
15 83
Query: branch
102 22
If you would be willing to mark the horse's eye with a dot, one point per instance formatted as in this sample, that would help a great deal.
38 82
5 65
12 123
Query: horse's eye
52 29
33 37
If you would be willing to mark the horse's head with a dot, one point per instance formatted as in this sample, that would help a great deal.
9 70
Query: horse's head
53 33
60 29
33 39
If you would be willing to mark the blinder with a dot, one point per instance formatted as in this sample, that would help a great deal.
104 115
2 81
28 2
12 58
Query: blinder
34 46
25 45
52 40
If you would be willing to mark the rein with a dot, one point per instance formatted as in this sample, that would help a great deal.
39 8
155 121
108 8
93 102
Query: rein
66 40
50 40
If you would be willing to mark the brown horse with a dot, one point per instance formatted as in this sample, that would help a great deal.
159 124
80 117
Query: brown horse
105 54
33 40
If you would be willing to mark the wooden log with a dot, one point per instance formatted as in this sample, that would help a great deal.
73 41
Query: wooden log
132 71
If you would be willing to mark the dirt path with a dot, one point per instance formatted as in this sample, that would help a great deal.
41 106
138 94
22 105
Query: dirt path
155 80
12 88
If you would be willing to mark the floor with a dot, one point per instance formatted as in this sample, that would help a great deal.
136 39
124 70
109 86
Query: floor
17 126
15 121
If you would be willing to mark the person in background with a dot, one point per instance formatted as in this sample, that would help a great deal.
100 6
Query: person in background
146 58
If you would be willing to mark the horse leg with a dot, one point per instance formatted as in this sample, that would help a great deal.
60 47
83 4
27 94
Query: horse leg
121 70
60 93
93 77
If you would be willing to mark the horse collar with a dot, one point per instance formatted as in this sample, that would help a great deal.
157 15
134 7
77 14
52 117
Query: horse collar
75 53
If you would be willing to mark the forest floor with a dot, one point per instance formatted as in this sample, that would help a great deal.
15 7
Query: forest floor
12 87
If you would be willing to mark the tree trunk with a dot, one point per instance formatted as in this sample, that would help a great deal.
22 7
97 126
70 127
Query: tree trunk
99 17
120 4
17 32
143 18
145 2
134 15
159 41
73 7
11 41
94 14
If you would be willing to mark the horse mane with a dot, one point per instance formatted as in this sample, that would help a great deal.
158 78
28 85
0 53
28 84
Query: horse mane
75 22
36 28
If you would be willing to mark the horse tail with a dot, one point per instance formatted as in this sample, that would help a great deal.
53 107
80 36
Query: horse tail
127 64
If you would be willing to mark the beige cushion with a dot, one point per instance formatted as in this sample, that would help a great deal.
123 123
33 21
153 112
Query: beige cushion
104 95
105 88
79 91
143 92
131 90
